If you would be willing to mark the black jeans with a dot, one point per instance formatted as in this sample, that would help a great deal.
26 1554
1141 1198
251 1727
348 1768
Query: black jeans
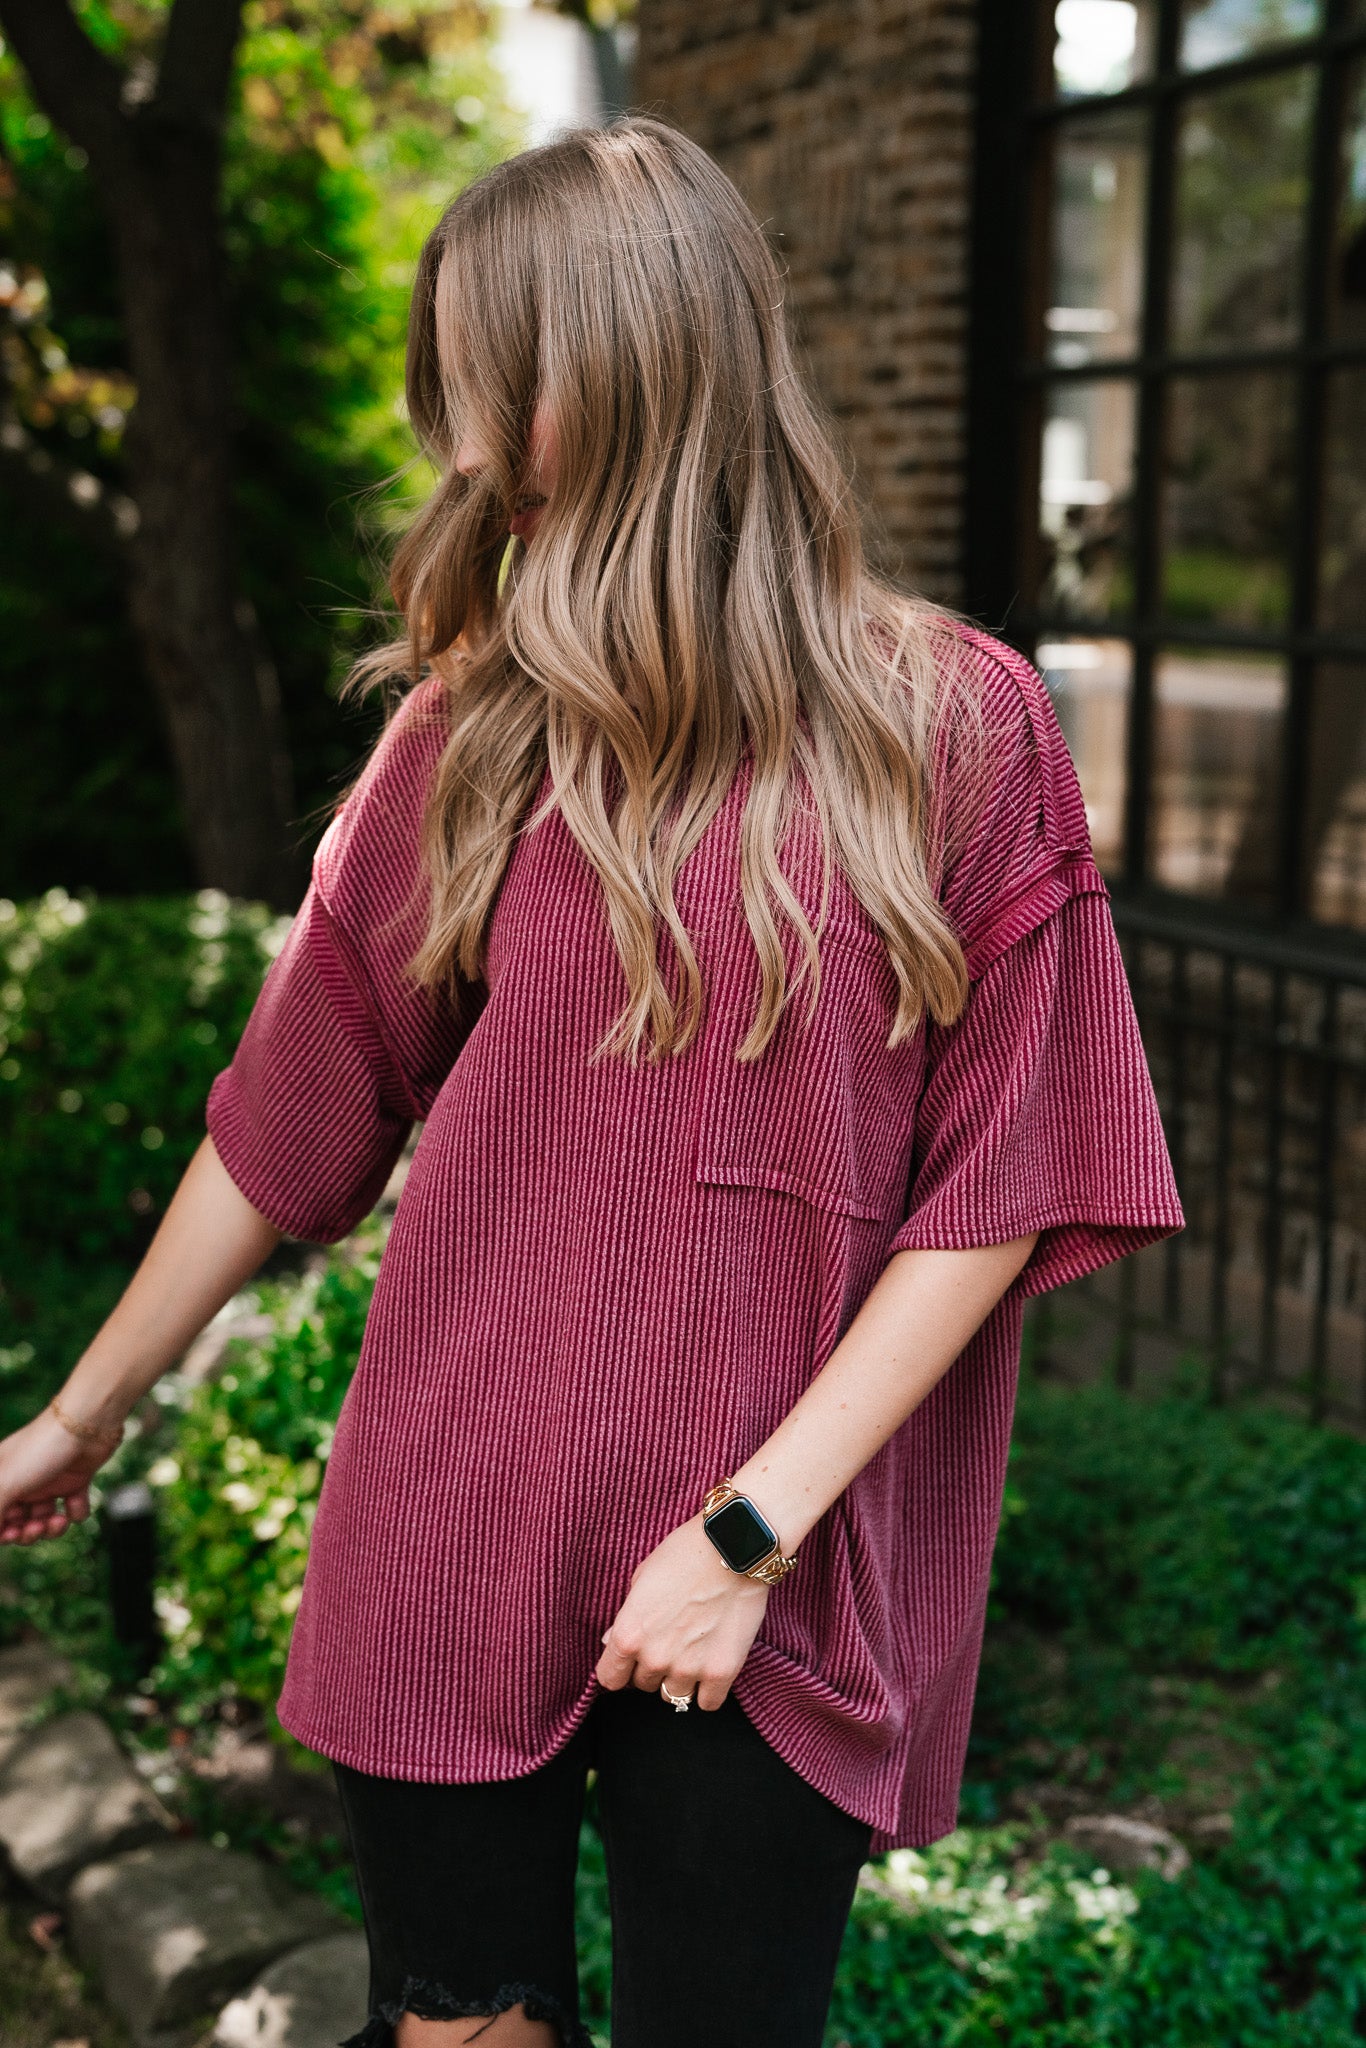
730 1881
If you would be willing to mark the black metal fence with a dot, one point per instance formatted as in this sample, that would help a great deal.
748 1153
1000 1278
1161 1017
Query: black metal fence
1257 1047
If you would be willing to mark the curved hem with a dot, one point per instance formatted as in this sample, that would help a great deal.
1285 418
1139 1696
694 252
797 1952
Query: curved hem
888 1833
314 1737
886 1839
874 1814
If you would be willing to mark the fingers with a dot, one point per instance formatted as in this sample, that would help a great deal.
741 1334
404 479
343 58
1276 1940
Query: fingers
615 1665
29 1521
622 1664
23 1515
33 1529
712 1692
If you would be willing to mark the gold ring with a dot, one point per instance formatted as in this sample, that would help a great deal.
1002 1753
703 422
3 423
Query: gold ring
679 1706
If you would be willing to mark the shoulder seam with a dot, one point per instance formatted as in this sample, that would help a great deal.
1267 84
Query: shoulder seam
355 974
1007 659
1050 746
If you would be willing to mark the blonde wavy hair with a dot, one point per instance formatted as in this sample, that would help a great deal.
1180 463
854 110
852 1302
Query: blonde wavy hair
697 583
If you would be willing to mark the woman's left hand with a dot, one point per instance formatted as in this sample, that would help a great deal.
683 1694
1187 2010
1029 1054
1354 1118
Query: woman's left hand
686 1621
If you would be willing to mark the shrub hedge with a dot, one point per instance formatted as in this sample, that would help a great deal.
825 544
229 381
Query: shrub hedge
114 1018
239 1486
1207 1539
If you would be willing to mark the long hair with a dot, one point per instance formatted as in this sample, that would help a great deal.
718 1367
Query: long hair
697 584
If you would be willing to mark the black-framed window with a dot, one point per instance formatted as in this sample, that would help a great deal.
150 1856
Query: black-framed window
1167 469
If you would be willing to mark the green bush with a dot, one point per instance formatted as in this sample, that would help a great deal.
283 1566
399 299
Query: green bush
1206 1539
114 1019
240 1487
955 1945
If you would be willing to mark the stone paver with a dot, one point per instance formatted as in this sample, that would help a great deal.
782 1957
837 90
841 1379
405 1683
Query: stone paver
175 1930
312 1998
1125 1845
253 1771
67 1795
28 1673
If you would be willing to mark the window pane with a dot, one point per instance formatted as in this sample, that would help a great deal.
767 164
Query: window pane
1099 174
1241 187
1228 497
1216 748
1090 682
1342 562
1335 817
1213 31
1086 486
1347 308
1102 45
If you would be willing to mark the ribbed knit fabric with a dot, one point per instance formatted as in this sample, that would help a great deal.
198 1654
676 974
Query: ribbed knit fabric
605 1286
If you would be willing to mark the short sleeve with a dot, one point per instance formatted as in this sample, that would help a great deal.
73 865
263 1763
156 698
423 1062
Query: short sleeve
1037 1112
342 1053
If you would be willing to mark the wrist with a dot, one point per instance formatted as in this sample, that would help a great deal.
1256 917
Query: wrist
87 1423
742 1536
782 1499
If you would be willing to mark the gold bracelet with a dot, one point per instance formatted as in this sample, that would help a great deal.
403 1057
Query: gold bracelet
85 1432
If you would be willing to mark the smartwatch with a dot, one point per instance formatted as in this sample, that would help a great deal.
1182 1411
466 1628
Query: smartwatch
744 1540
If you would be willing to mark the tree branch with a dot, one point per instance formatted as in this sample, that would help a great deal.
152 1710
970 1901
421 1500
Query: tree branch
196 62
76 85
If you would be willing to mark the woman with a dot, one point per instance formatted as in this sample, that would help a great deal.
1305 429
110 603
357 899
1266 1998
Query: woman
730 924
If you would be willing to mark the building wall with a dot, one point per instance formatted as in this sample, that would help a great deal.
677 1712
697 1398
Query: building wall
848 126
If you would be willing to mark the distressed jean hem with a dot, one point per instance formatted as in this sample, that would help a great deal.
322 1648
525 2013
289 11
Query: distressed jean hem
427 2001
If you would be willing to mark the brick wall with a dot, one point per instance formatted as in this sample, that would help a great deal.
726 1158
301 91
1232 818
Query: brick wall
847 124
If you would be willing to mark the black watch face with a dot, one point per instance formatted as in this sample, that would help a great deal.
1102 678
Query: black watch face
741 1534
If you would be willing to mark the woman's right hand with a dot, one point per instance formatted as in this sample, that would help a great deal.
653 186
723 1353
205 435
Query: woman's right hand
45 1476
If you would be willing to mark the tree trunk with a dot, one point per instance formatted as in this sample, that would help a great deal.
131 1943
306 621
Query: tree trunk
214 683
156 158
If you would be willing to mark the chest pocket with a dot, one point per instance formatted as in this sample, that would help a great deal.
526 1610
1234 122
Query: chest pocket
827 1112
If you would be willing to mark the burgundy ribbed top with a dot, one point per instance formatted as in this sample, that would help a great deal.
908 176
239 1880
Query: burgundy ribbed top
604 1286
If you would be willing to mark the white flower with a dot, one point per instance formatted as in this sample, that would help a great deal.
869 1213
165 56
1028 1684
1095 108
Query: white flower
173 1614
